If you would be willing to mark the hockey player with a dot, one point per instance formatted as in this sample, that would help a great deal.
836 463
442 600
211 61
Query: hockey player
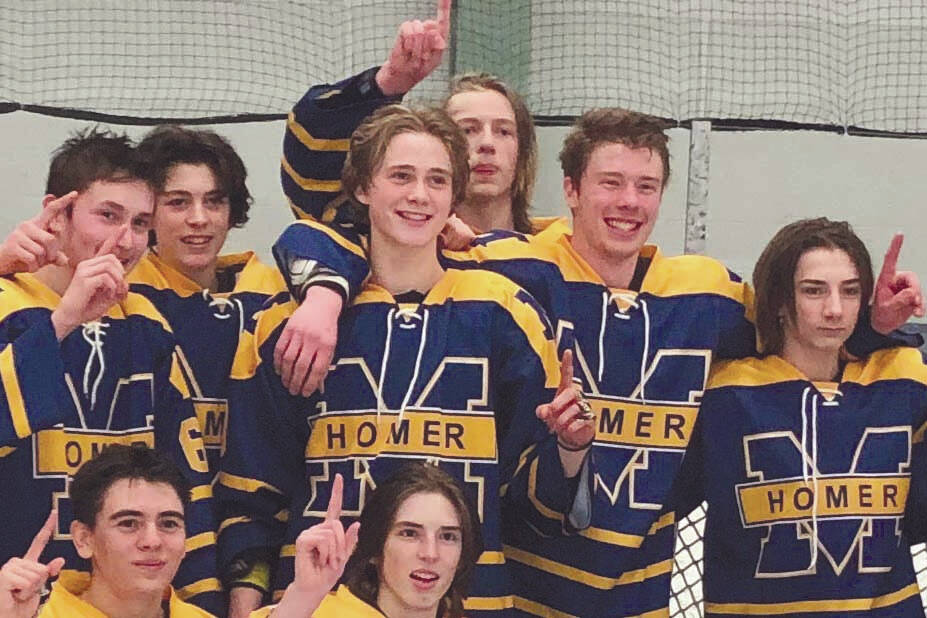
206 297
647 327
502 157
445 366
129 512
85 363
418 531
805 457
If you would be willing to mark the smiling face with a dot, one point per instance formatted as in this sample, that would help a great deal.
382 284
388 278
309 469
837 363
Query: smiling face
827 301
616 203
121 209
192 219
409 195
138 538
420 556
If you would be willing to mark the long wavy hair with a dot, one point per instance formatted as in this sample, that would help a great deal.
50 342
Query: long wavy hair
362 573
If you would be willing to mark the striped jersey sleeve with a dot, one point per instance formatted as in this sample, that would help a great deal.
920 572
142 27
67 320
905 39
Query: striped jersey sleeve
31 374
264 458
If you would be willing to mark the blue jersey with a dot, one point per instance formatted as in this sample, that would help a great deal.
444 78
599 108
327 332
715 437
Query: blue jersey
807 485
115 380
452 381
643 357
207 327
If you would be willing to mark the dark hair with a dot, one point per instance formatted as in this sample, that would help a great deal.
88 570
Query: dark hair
774 274
91 155
115 463
526 165
361 573
169 145
612 125
371 139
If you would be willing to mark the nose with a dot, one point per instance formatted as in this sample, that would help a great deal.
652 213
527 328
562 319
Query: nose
149 537
418 192
197 214
428 548
833 305
125 240
485 140
628 195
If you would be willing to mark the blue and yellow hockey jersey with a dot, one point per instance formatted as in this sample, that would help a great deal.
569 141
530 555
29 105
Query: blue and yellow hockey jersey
643 357
806 485
453 380
684 312
207 327
115 380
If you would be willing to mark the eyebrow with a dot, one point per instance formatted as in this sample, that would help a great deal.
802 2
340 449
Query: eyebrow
822 282
477 119
608 174
412 524
186 192
407 166
112 204
131 513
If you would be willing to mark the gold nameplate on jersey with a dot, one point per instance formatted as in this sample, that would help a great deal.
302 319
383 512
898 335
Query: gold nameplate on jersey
454 436
213 415
62 451
841 496
624 422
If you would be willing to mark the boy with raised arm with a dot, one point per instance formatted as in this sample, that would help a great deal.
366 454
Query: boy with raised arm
85 363
502 160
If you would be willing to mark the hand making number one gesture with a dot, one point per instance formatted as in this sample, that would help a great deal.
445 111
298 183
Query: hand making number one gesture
98 284
417 51
32 244
569 416
897 295
322 551
22 580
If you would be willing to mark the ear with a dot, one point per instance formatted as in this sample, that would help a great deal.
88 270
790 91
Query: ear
82 537
571 193
56 224
360 194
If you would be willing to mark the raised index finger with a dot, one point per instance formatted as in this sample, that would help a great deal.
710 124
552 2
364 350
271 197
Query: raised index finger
890 264
566 371
54 207
444 17
106 247
334 503
41 539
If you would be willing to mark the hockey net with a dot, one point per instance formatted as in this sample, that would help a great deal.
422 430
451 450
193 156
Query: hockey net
852 64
